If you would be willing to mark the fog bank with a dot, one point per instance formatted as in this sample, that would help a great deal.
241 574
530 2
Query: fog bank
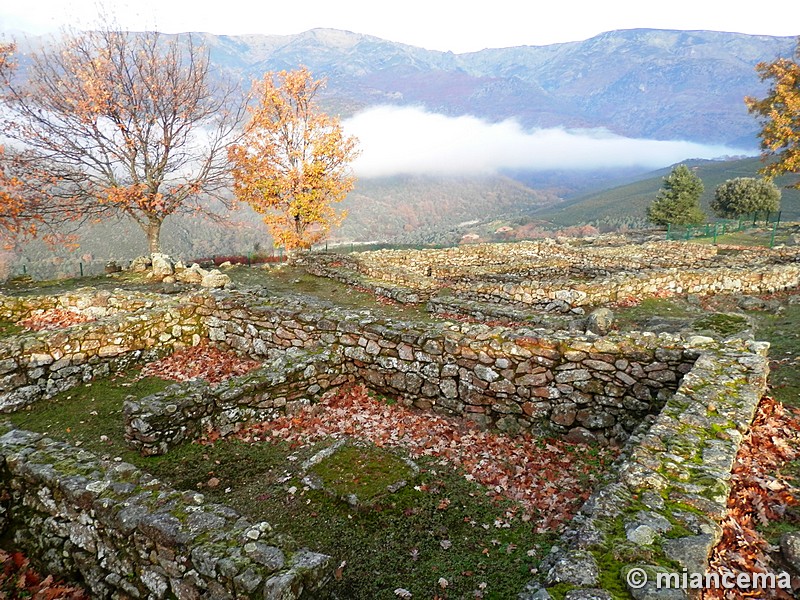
410 140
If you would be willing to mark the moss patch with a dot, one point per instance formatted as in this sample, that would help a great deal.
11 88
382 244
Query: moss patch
362 473
9 328
636 317
722 324
292 280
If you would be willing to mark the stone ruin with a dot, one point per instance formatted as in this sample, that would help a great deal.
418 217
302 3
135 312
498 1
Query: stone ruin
680 405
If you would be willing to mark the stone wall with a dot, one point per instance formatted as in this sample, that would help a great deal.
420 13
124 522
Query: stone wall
395 284
512 379
566 295
157 423
40 364
562 277
89 302
124 535
663 511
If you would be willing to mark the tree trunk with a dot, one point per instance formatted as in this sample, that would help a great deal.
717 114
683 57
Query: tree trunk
153 231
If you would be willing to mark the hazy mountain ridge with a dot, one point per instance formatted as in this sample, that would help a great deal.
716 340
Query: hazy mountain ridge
659 84
646 83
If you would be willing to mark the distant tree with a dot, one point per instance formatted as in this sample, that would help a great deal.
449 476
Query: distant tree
292 164
116 123
745 195
678 200
779 114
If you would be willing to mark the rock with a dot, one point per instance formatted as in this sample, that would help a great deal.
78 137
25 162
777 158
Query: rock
793 240
600 321
645 526
162 266
112 267
790 548
215 279
576 567
750 303
140 264
640 534
564 414
690 552
193 274
580 435
533 592
699 340
589 594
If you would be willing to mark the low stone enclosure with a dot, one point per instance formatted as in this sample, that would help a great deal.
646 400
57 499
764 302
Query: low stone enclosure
561 277
681 406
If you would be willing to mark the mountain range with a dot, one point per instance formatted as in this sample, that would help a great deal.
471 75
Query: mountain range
644 83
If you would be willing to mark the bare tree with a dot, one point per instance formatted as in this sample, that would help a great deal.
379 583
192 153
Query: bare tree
117 123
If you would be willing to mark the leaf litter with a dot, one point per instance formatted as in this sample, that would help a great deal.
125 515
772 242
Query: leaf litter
549 478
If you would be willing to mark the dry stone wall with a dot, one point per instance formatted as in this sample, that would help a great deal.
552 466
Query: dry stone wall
103 522
563 277
89 302
568 295
512 379
41 364
125 535
663 511
157 423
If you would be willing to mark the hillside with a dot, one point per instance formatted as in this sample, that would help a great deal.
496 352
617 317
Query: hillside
410 209
628 203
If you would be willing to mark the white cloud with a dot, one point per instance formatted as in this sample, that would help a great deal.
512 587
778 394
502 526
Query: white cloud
397 140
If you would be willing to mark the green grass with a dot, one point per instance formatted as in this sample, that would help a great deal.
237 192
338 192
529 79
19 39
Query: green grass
26 286
722 324
293 280
364 471
86 413
757 237
782 331
634 317
9 328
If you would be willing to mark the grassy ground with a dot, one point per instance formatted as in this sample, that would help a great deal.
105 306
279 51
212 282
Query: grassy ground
720 316
290 280
756 237
782 331
26 286
89 415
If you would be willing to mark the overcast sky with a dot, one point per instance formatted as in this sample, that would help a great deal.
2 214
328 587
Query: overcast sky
452 25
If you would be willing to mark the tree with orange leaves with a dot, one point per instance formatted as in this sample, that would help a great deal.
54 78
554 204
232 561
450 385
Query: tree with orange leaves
292 164
116 123
12 221
780 116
